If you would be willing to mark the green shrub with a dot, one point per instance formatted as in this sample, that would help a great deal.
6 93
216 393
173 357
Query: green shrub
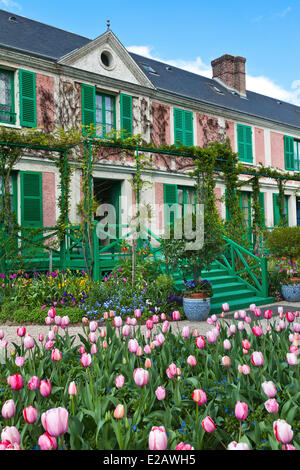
284 242
36 315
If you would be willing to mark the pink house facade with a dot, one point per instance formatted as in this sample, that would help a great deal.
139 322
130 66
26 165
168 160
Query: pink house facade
161 103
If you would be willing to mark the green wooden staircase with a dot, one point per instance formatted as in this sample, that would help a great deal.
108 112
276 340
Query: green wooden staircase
228 288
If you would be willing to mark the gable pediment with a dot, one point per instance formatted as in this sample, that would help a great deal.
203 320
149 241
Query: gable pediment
106 56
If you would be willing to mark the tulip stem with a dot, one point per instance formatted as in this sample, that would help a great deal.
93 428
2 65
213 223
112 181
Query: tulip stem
240 432
120 435
91 385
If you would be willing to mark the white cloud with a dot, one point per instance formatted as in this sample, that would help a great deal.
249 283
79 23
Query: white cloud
10 4
259 84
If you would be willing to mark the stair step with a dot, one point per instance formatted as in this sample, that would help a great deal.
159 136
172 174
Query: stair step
227 287
232 294
238 304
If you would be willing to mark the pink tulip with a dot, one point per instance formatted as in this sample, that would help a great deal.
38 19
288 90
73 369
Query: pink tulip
147 349
57 320
176 315
126 330
92 337
231 330
155 319
288 447
137 313
226 362
282 430
56 355
133 321
94 349
268 314
199 396
8 409
93 326
33 383
41 337
51 312
158 438
11 434
47 442
160 393
186 332
200 342
241 326
149 324
72 389
269 389
291 359
16 382
51 335
212 335
119 412
226 345
246 344
241 410
45 388
248 320
290 317
271 405
117 322
244 369
165 326
237 446
65 321
163 317
141 377
19 361
28 342
208 425
257 358
133 345
21 331
86 360
1 334
195 333
257 330
48 320
191 360
55 421
119 381
225 307
30 414
182 446
49 345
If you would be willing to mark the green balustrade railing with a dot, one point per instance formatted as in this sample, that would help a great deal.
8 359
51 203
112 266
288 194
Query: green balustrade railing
251 269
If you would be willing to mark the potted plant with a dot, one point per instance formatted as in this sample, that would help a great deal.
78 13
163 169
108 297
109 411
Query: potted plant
284 244
187 265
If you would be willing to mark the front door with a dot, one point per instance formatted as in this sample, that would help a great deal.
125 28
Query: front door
108 192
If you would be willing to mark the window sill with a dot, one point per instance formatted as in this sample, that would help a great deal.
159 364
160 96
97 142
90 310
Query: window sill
13 126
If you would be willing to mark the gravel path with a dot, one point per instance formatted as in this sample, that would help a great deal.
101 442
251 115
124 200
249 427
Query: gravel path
10 331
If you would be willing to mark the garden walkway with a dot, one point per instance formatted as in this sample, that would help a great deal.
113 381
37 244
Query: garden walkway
10 331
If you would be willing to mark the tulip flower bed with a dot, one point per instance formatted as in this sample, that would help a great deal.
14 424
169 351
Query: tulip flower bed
118 386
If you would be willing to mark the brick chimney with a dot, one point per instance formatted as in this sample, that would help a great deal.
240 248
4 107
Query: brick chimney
230 71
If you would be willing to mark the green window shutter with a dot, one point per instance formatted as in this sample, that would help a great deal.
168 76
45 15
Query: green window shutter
27 82
88 107
276 212
178 127
31 199
170 198
126 115
188 129
289 152
244 140
183 127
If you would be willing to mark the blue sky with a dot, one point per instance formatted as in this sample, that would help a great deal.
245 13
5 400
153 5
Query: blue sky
192 33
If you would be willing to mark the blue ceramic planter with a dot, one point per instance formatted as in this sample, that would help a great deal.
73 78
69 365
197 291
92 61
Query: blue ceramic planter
291 292
196 309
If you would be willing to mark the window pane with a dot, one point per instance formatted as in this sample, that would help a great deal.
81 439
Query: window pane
5 97
180 196
109 103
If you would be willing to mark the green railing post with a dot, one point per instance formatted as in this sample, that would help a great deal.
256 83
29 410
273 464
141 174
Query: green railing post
264 277
96 271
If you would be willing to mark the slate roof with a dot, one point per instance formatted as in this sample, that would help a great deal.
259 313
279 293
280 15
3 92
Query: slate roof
48 42
36 38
